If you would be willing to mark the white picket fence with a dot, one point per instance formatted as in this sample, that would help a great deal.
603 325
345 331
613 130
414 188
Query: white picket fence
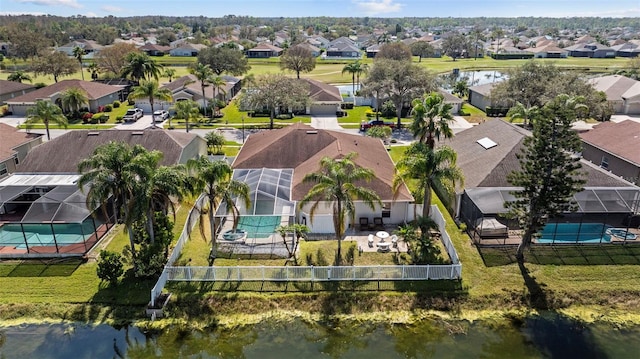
307 273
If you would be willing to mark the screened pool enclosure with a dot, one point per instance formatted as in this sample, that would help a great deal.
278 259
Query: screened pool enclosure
271 206
47 221
602 215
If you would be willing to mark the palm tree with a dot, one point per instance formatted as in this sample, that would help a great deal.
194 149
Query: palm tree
73 99
19 76
114 170
353 69
335 183
214 179
186 110
170 73
203 73
140 66
150 90
522 112
219 85
78 52
431 118
428 166
360 69
94 69
46 112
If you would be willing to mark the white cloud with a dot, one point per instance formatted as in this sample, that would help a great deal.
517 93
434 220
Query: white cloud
376 7
91 14
16 13
111 9
69 3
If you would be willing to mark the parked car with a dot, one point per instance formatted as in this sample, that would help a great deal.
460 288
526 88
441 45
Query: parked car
160 115
368 124
132 115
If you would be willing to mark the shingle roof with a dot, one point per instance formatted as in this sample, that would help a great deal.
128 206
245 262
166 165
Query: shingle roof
614 86
490 167
62 154
11 138
192 85
7 87
266 47
621 139
301 147
322 92
94 90
482 89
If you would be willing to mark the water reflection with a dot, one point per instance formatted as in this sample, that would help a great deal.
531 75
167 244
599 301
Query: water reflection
548 335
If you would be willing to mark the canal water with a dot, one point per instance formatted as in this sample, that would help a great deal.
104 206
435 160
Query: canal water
548 335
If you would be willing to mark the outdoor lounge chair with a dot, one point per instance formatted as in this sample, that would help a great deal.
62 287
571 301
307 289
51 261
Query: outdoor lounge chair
364 223
377 222
370 240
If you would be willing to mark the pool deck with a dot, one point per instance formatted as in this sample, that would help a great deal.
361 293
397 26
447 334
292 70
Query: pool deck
515 237
79 249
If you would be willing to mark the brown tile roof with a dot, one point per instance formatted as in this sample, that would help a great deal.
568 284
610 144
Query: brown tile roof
620 139
94 90
322 92
301 147
191 84
11 138
7 87
62 154
490 167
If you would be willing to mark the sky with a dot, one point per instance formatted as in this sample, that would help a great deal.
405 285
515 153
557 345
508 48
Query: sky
333 8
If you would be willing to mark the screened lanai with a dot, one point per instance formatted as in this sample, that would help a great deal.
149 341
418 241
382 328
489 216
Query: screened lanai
47 221
602 215
271 206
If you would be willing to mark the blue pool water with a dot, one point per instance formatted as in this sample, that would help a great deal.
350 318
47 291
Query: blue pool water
574 233
259 226
41 234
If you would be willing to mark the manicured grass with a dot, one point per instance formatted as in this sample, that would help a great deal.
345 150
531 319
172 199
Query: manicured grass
356 115
476 115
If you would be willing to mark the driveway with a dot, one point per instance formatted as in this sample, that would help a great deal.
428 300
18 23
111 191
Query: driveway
325 123
143 123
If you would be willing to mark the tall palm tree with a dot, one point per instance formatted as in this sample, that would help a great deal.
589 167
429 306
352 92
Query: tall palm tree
214 179
186 110
73 99
150 90
361 68
203 73
219 85
78 52
140 66
428 166
170 73
335 183
19 76
353 69
431 118
114 170
46 112
522 112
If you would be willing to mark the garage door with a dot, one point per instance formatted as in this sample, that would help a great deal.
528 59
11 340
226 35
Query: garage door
323 110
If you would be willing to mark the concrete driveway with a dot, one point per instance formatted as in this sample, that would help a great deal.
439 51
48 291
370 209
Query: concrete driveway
143 123
325 123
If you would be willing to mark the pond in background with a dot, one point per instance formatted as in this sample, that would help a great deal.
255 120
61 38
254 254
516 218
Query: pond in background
474 78
547 335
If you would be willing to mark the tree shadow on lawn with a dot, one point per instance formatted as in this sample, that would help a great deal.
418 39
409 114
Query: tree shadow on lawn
605 254
41 268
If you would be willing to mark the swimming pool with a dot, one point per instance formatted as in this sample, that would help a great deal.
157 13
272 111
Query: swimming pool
11 234
574 233
259 226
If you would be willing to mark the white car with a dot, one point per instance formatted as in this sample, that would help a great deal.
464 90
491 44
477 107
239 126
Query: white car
133 115
160 115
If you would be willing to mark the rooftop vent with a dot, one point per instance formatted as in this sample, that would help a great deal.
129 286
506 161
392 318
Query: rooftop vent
312 132
137 133
93 133
487 143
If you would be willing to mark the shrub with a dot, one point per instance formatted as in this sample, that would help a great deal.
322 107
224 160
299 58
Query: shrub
108 108
87 115
131 102
39 85
119 119
110 267
116 104
388 109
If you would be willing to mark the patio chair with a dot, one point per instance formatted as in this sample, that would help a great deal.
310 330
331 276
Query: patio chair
377 222
370 240
394 241
364 223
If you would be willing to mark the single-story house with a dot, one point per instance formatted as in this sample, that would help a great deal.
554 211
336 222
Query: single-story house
594 49
487 153
88 46
480 96
614 147
343 47
14 146
627 49
264 50
455 102
325 99
549 51
373 50
187 50
154 49
11 89
315 51
188 88
297 150
97 93
44 211
623 93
